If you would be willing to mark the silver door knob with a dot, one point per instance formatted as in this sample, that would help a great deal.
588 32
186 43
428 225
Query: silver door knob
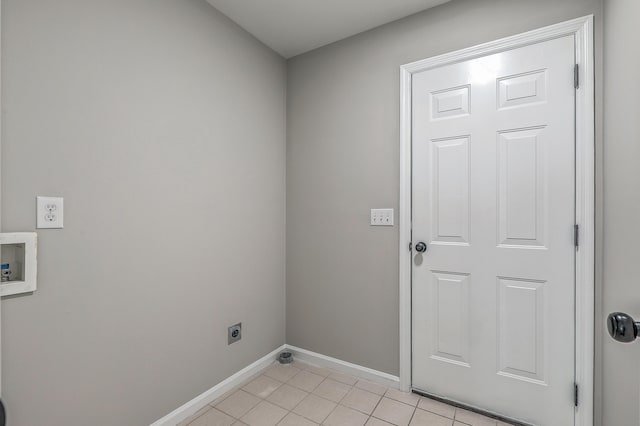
622 327
421 247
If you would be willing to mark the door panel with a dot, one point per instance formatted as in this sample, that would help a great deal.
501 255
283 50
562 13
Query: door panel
451 317
493 196
450 191
521 329
522 190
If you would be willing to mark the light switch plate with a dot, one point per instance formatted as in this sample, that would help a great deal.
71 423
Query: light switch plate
49 212
381 217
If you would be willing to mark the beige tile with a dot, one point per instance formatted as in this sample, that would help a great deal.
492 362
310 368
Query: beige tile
315 408
195 416
405 397
281 372
425 418
239 423
320 371
394 412
238 404
361 400
306 381
292 419
213 417
504 423
262 386
437 407
332 390
343 378
473 419
343 416
298 364
264 414
371 387
226 394
376 422
287 396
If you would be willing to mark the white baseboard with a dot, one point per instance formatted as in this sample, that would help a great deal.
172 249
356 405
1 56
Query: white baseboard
344 367
303 355
200 401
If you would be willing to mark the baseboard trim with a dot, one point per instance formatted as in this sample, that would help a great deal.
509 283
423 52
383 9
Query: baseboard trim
344 367
200 401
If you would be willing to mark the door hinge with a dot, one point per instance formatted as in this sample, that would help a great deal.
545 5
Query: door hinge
575 394
576 235
576 76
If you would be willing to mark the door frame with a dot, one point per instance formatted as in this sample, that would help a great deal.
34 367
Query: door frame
582 30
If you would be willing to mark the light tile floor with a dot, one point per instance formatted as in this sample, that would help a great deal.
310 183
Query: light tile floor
300 394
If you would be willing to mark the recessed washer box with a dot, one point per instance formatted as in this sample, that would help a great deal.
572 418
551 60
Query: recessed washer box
18 262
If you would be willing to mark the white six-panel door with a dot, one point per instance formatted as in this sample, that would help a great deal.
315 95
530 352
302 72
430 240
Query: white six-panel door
493 195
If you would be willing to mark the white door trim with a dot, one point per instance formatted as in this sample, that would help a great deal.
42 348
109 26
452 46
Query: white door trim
582 30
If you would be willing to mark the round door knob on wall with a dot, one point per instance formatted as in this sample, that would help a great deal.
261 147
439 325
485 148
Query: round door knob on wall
421 247
622 327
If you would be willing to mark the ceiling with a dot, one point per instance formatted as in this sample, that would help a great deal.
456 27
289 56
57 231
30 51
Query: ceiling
291 27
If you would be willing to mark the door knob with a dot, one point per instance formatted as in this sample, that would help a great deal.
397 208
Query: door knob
421 247
622 327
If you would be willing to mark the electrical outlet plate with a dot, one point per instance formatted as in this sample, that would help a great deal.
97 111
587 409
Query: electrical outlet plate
49 212
234 333
381 217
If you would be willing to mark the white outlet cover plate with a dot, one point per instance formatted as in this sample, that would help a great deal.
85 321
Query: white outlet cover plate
381 217
49 212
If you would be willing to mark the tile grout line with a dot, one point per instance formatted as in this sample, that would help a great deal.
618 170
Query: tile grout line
414 413
309 393
341 399
363 390
378 403
374 408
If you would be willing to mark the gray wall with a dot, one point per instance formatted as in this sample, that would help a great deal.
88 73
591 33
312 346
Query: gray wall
342 160
621 206
163 126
